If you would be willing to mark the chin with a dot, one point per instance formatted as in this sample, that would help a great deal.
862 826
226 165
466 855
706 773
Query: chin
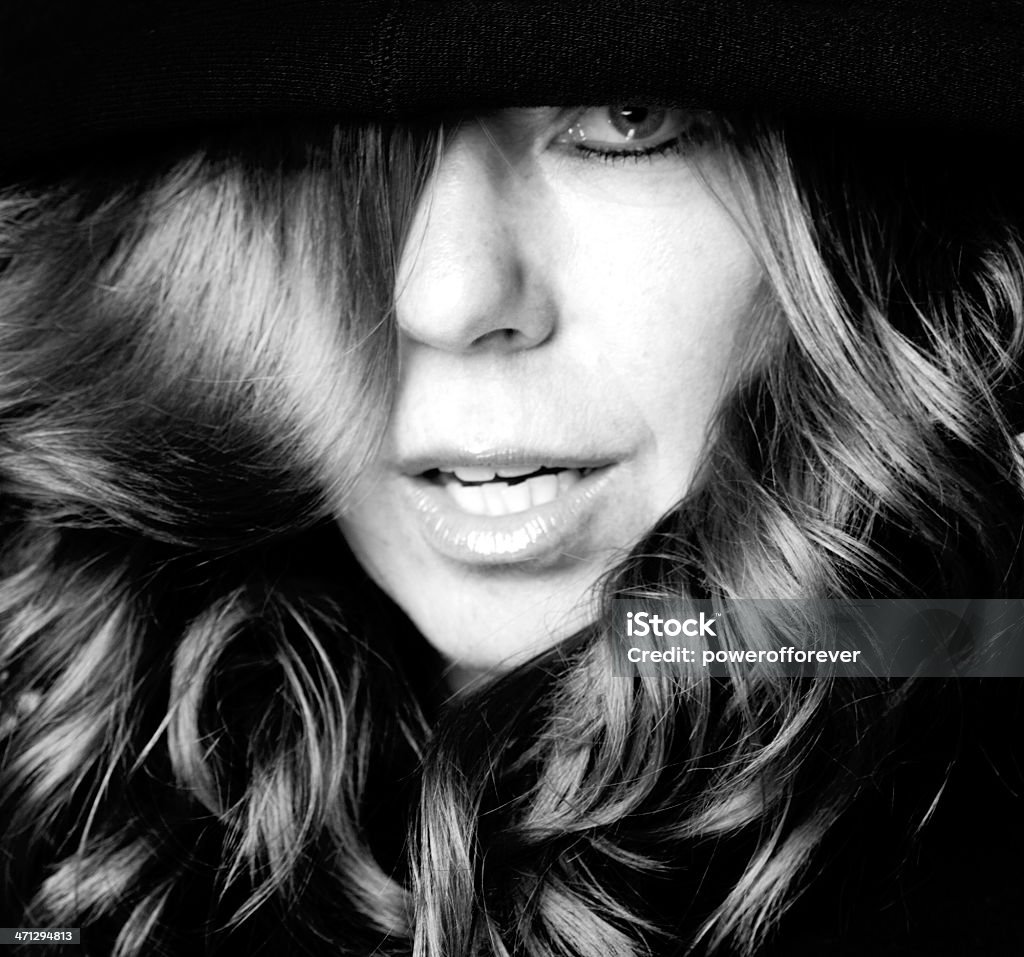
496 626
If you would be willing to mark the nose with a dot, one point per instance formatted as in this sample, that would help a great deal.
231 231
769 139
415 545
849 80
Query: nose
469 275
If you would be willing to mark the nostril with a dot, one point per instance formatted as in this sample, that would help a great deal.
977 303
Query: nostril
503 339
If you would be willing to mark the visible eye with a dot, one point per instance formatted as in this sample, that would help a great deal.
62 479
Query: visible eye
633 132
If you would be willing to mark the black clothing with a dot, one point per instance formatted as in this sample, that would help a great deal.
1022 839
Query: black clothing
953 889
75 73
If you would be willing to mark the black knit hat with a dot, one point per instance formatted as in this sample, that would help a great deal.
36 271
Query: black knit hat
74 73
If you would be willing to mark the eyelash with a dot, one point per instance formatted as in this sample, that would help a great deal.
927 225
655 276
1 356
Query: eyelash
697 134
677 145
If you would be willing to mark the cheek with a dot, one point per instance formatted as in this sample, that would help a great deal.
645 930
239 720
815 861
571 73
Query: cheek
669 303
670 296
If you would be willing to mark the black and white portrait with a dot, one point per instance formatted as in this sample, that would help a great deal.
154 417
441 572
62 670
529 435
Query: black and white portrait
372 375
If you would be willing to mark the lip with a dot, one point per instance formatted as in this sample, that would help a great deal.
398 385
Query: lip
543 532
446 460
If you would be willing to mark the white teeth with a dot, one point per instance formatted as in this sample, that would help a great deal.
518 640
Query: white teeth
500 498
515 473
567 479
493 498
470 498
543 489
474 474
517 496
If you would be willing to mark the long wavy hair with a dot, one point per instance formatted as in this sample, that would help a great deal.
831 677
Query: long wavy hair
216 734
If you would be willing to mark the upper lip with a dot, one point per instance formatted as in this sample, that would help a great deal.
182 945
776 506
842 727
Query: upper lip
447 459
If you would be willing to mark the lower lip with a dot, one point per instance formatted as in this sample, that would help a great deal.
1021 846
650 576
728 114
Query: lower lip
542 532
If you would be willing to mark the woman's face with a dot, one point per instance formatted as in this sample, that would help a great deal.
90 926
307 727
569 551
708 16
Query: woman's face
573 298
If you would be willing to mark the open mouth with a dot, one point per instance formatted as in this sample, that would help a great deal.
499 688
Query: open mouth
538 507
480 490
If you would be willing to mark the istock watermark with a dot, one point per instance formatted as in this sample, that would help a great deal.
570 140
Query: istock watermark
641 624
856 638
